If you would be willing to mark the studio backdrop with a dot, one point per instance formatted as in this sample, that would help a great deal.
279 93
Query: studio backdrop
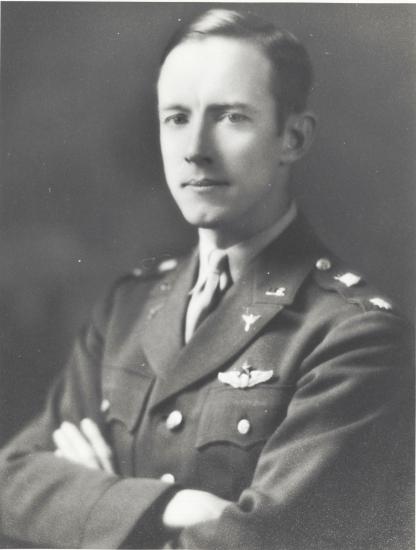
83 198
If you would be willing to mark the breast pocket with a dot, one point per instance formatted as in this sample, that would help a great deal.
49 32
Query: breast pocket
233 428
242 417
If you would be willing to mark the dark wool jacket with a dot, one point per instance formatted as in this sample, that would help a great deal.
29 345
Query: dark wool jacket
323 457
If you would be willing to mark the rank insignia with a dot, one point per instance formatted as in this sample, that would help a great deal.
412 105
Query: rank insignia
278 292
249 320
380 303
348 279
246 377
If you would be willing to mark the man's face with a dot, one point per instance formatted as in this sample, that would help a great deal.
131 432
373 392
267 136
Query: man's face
218 131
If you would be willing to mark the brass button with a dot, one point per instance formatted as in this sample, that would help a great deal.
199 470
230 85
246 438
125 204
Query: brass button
244 426
174 420
323 264
168 478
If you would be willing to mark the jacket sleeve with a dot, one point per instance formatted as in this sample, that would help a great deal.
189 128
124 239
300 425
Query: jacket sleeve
51 502
336 472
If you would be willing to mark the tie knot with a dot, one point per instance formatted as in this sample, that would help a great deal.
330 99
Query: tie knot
207 293
216 273
217 262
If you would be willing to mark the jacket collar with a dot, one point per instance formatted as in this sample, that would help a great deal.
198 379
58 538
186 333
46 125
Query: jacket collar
241 253
270 284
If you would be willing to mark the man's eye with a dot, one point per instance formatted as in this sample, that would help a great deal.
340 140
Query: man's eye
176 119
234 117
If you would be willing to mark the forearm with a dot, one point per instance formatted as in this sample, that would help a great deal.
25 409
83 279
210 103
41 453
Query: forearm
175 510
52 502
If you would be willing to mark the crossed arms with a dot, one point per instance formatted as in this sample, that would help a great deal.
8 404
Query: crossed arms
86 446
334 470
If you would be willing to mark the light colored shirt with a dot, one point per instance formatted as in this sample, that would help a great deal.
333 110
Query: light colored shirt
240 254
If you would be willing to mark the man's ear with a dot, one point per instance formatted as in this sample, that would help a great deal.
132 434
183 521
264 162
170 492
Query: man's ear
298 135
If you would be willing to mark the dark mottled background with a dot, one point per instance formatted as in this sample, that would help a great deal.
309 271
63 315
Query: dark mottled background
82 195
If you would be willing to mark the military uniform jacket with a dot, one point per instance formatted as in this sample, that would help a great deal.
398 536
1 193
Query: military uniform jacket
315 456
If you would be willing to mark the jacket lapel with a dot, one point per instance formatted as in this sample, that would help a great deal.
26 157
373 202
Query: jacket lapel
162 338
270 284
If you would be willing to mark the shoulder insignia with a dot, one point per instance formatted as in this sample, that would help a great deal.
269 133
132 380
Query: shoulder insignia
348 279
332 275
150 267
381 303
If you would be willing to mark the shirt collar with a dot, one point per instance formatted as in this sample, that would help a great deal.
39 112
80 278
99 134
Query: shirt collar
241 254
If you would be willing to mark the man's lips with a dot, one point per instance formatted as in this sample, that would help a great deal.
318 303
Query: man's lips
204 182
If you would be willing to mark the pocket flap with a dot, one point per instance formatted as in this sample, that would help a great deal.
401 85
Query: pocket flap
242 417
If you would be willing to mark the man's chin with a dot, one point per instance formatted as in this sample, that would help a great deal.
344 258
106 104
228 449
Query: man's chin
204 217
204 224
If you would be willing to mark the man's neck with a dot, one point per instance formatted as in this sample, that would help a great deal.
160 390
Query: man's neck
241 253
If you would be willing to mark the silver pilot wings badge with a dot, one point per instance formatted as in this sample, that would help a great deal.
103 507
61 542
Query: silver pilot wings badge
246 377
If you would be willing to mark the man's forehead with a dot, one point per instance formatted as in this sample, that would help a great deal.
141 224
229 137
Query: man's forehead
229 70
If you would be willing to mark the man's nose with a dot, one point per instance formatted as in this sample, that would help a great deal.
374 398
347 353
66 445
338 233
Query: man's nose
199 147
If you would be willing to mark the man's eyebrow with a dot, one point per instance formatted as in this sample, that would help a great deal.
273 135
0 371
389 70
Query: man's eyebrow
173 107
230 106
213 107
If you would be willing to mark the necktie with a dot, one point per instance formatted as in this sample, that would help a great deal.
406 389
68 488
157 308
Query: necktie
207 294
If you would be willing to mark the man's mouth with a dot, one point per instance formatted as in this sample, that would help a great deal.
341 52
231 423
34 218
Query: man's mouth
204 183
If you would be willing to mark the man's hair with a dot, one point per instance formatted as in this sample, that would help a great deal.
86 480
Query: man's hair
292 73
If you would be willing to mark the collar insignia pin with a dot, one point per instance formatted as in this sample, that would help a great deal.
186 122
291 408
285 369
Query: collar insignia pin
249 320
278 292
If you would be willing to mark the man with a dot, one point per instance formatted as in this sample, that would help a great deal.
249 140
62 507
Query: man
256 395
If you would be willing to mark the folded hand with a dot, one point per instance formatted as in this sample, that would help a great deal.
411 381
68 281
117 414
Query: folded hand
84 445
190 506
